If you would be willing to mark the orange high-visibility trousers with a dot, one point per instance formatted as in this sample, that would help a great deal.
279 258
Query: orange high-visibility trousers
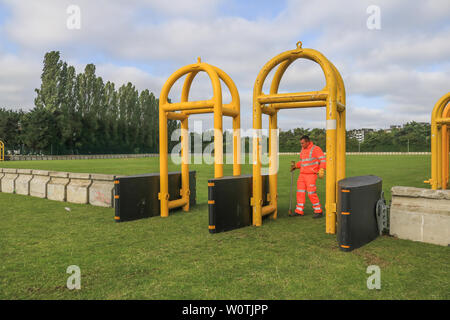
306 183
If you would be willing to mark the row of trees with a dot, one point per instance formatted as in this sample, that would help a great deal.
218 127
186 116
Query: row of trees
81 114
412 136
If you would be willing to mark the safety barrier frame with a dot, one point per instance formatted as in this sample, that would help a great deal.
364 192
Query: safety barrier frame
440 133
332 96
181 111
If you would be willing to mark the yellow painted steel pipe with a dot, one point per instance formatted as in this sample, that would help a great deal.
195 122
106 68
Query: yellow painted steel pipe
293 97
301 104
269 110
176 116
443 121
199 111
185 164
269 209
178 203
2 151
179 106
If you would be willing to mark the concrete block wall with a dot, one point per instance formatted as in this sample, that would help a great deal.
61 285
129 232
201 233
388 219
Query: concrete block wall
78 188
8 180
39 182
95 189
420 215
22 183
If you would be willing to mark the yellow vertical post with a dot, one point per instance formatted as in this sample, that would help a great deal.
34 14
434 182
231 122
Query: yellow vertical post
185 163
256 158
163 164
273 163
2 151
341 131
218 130
330 183
237 146
439 156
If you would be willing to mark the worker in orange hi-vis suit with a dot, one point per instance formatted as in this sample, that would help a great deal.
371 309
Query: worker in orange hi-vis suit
312 164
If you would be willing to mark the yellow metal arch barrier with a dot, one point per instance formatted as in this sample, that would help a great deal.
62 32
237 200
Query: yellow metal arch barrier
332 96
181 111
2 151
445 148
440 123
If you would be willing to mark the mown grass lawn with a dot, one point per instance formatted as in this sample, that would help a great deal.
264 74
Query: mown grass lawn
177 258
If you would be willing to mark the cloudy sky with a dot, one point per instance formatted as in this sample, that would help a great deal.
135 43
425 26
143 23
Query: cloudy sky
392 75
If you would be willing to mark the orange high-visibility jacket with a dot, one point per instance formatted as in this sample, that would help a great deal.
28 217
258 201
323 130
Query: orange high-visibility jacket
312 159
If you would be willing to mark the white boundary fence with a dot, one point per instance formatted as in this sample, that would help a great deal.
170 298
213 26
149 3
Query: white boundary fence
149 155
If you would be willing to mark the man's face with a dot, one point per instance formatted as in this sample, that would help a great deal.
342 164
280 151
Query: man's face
304 143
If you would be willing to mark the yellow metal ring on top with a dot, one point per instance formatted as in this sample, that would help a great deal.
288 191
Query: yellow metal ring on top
332 96
181 111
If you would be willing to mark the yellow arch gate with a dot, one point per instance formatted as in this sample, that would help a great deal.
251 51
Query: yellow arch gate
181 111
332 96
2 151
440 133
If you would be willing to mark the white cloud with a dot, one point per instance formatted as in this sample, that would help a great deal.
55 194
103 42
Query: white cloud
19 78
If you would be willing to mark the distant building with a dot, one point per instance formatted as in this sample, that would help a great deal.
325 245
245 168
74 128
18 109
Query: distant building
360 134
392 127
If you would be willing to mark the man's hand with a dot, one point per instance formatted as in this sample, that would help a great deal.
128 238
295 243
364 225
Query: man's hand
321 173
293 166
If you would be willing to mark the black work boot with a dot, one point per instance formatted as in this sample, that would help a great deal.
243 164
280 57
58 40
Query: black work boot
318 215
295 214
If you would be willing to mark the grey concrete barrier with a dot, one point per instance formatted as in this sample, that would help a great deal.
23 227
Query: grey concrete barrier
101 191
78 188
420 214
95 189
8 180
56 187
22 183
38 184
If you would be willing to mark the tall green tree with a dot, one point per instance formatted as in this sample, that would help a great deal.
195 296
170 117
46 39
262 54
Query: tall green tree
47 96
39 130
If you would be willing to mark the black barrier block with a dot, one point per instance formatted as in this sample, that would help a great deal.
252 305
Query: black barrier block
229 202
136 197
356 211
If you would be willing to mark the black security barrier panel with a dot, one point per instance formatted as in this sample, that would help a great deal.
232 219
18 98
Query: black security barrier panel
229 202
136 197
356 211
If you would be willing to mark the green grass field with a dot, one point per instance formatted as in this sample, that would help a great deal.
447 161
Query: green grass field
177 258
